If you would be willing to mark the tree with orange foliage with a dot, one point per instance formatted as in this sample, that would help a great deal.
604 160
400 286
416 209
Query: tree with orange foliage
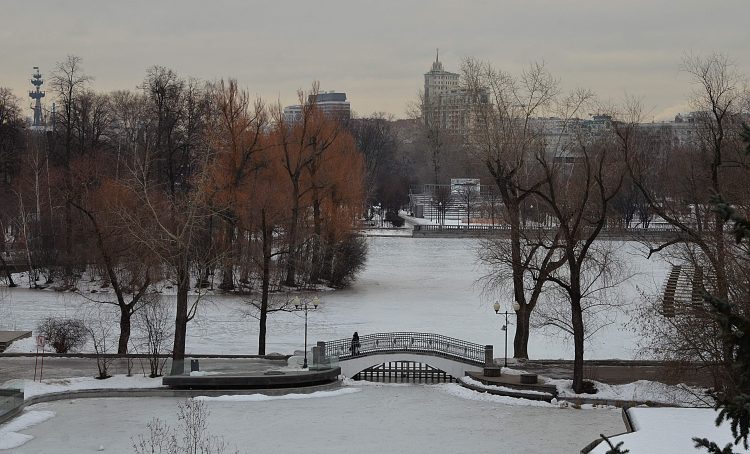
128 270
267 215
338 195
303 145
237 138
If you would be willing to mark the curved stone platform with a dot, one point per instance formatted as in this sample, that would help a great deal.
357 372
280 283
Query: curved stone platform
258 380
155 392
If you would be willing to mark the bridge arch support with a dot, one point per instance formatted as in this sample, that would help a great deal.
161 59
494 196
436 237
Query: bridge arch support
354 365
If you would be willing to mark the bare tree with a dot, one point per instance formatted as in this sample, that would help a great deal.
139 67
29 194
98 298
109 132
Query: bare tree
68 82
677 183
376 140
440 143
171 231
11 134
129 271
11 143
602 273
505 139
468 196
579 194
441 199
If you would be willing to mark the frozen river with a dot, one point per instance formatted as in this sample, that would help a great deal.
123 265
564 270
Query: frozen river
410 284
377 419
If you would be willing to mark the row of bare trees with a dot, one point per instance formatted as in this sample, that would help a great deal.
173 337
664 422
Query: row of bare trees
581 173
179 184
681 188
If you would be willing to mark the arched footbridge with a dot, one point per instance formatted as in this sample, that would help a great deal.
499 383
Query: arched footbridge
395 356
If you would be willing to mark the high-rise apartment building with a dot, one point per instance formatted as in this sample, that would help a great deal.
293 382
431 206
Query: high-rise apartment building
331 103
445 105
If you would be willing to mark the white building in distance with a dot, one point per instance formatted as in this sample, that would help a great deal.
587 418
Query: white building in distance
445 105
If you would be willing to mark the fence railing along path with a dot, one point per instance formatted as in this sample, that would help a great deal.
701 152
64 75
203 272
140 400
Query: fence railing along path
659 233
407 342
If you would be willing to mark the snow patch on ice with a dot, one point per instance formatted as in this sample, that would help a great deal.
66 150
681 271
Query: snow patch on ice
641 391
264 397
9 433
31 388
203 373
478 384
465 393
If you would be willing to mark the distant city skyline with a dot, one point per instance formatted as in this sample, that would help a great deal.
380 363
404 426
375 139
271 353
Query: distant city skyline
376 53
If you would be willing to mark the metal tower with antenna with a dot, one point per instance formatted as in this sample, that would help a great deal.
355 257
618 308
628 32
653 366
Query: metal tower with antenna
37 95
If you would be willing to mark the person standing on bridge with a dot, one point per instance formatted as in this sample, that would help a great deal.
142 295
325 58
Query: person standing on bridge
355 344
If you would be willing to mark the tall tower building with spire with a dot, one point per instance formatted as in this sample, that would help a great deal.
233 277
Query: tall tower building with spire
37 95
438 81
445 104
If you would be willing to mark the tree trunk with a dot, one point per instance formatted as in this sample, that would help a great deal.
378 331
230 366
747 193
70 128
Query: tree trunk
4 264
578 336
267 251
316 261
122 343
578 327
227 272
291 265
180 322
521 338
329 248
245 247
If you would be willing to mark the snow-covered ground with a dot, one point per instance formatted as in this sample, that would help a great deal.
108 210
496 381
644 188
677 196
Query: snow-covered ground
670 431
33 388
639 391
374 419
410 284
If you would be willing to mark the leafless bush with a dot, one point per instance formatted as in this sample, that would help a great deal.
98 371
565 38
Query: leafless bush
64 334
100 326
155 334
191 436
688 339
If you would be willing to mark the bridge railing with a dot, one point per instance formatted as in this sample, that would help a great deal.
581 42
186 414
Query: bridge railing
434 344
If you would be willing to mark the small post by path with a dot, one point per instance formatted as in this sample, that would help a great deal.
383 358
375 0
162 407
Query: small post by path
40 342
490 369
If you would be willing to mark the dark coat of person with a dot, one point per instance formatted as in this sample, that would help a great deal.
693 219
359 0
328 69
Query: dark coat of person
355 344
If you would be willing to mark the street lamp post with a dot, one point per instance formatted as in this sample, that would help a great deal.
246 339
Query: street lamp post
516 307
305 306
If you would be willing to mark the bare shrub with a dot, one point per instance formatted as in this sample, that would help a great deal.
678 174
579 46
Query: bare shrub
64 334
100 327
191 436
155 333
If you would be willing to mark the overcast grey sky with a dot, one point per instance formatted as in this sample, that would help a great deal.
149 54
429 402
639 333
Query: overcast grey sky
378 51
